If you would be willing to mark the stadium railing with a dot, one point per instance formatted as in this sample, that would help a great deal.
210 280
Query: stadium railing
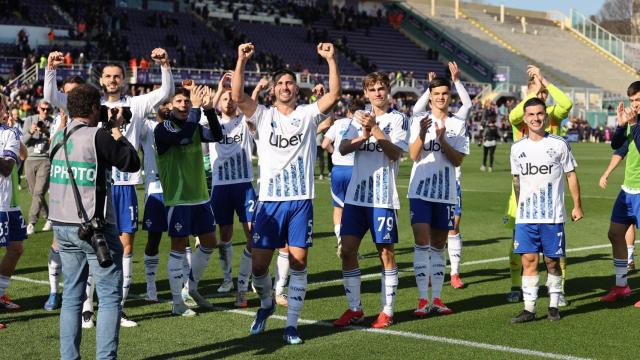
597 34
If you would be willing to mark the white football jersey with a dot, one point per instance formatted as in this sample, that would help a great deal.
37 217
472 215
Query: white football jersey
373 180
433 176
541 166
231 157
287 152
147 141
336 133
10 147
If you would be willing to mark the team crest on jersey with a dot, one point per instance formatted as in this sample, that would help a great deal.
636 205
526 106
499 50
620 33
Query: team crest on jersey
178 226
451 133
148 222
296 122
387 129
551 152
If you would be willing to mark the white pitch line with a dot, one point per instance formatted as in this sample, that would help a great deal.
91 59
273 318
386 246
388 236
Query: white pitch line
466 263
407 334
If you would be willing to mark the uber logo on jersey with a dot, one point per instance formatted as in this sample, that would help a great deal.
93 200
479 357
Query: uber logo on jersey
282 142
226 140
530 169
369 146
432 145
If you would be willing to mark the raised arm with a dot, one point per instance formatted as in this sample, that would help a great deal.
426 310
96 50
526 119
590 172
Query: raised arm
263 84
423 101
246 104
326 102
144 104
212 133
51 93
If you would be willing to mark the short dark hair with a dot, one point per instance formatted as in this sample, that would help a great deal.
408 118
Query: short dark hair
355 106
181 91
280 73
82 100
376 77
437 82
634 88
114 64
73 79
534 102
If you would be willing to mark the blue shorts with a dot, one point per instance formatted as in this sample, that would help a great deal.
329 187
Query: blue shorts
185 220
381 223
125 204
340 177
155 214
626 209
277 223
12 227
535 238
438 215
227 199
457 209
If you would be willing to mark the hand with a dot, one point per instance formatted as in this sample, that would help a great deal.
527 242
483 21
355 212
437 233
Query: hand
432 76
207 100
440 130
33 129
263 84
197 96
160 56
365 119
55 58
628 117
603 182
318 90
119 118
535 73
246 51
326 50
576 214
455 73
225 81
189 84
620 114
425 124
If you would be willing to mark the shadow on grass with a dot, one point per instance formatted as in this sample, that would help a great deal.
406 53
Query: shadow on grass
30 270
264 344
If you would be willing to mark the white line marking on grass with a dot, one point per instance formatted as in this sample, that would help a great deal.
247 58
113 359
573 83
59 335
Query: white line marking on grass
466 263
20 278
406 334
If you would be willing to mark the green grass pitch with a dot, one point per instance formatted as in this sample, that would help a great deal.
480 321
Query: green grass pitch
478 329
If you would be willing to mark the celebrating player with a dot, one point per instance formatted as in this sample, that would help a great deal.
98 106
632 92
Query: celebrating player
538 87
125 200
378 139
287 152
538 162
438 144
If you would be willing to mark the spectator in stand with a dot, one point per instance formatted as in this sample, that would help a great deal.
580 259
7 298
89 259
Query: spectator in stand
51 36
144 63
68 60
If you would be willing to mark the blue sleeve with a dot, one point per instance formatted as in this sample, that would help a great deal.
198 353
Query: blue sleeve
166 135
619 137
622 150
214 132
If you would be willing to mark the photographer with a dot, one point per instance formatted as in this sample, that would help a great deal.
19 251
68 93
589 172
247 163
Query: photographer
36 130
92 151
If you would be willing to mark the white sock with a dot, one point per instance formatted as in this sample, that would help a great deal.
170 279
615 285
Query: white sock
422 269
351 280
455 252
630 250
282 272
438 263
263 289
390 288
226 256
336 230
55 265
176 275
199 262
150 270
554 284
89 290
186 267
127 270
4 284
530 292
297 291
620 268
244 271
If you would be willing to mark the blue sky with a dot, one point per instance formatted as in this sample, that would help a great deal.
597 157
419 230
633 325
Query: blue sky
587 7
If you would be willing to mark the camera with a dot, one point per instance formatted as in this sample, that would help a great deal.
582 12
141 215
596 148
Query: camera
107 114
93 233
41 124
